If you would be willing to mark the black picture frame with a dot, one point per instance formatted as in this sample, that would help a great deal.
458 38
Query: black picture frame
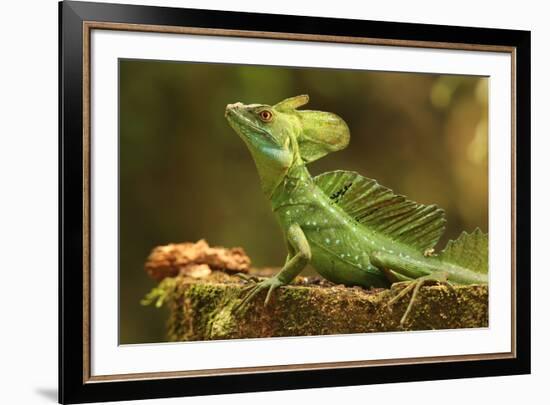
73 387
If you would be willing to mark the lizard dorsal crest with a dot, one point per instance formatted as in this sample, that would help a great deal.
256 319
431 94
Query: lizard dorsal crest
380 209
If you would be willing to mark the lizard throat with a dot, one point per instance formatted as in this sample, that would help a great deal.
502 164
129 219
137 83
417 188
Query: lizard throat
294 189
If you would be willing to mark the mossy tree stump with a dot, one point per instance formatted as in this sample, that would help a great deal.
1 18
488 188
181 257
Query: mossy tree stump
198 284
204 309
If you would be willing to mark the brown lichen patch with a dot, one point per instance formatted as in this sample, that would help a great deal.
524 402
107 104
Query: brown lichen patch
204 309
183 258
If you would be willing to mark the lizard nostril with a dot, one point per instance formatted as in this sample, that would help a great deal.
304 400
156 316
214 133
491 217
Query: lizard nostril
233 106
229 108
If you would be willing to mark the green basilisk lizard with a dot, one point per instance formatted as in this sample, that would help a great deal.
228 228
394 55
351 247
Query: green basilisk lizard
352 230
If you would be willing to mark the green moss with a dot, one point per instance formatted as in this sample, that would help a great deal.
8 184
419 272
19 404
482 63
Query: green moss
222 323
158 295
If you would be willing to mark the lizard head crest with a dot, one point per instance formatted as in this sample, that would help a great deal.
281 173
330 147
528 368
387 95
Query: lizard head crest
279 136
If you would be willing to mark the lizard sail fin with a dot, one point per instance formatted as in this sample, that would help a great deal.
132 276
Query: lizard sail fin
470 251
417 225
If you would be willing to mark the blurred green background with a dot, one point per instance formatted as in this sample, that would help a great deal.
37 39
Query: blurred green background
185 175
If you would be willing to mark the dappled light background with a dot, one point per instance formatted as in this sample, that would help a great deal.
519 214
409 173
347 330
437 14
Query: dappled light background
185 175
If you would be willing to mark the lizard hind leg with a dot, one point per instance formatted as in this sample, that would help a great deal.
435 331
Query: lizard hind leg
415 285
410 272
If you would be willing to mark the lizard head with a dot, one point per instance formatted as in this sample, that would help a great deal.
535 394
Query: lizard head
280 136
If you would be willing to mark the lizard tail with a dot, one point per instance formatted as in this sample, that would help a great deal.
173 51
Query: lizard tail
469 251
464 260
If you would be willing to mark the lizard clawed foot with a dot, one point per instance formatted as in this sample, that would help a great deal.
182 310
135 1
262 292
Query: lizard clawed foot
415 286
251 291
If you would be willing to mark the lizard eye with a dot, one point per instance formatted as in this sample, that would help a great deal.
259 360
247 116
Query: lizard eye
266 115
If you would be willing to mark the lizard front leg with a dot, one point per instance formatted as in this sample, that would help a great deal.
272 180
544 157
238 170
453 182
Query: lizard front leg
298 257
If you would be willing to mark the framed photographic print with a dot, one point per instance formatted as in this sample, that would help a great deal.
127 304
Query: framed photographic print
256 202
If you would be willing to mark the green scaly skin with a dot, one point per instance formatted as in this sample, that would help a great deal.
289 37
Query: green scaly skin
282 140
